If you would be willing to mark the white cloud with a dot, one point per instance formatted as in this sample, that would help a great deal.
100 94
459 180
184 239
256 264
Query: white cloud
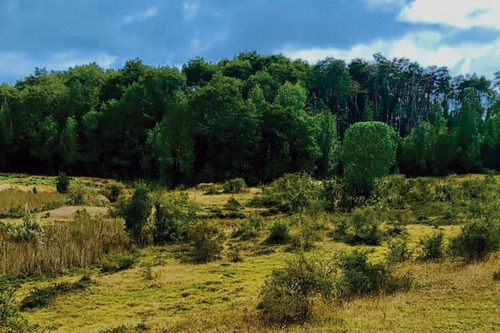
141 16
190 10
463 14
17 65
427 48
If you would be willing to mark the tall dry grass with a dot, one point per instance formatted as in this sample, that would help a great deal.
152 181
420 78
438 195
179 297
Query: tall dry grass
13 201
74 244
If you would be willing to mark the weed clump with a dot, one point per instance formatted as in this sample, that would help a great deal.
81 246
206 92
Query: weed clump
206 242
117 263
236 185
250 228
279 232
398 249
475 241
432 247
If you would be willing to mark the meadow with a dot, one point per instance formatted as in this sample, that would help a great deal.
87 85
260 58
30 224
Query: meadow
204 256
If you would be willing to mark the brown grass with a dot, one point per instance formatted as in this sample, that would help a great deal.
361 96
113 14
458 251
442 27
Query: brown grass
78 243
13 202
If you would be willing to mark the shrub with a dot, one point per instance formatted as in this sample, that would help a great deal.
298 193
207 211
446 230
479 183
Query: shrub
206 242
249 228
112 191
234 253
431 247
136 212
475 241
77 195
285 297
364 227
62 183
278 232
292 193
172 218
398 249
10 319
236 185
496 275
233 205
44 296
30 230
117 263
359 277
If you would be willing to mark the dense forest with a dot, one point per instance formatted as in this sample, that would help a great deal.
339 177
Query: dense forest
253 116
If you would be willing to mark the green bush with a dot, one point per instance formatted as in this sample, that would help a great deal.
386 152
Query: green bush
62 183
236 185
10 318
278 232
117 263
359 277
398 249
368 152
432 247
206 242
292 193
77 195
136 212
475 241
364 227
286 295
112 191
173 215
233 205
250 228
29 231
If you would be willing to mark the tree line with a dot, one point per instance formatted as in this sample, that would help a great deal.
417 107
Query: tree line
254 116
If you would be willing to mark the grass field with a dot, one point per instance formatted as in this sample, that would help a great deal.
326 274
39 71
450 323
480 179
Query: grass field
164 292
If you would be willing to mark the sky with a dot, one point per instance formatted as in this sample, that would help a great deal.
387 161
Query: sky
463 35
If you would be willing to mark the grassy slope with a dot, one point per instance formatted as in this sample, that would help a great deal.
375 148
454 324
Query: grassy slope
176 297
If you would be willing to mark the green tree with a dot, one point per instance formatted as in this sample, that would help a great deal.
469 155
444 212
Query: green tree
136 213
368 153
68 142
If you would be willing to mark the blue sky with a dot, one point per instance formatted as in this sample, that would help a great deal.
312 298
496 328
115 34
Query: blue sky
461 34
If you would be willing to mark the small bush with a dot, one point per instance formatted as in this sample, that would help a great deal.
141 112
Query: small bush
173 215
291 193
398 249
364 227
236 185
206 242
359 277
136 212
286 295
249 228
496 275
234 253
432 247
278 232
43 297
475 241
233 205
62 183
117 263
112 191
10 319
29 231
77 195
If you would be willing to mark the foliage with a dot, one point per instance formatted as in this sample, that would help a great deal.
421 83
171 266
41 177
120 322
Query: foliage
173 215
398 249
285 297
249 228
364 227
10 319
432 247
136 212
278 232
476 241
112 191
368 153
206 242
62 183
292 193
236 185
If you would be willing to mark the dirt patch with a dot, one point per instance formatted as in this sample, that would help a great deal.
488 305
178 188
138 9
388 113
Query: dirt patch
67 211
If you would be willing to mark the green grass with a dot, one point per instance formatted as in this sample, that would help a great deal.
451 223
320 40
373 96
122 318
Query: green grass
162 292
